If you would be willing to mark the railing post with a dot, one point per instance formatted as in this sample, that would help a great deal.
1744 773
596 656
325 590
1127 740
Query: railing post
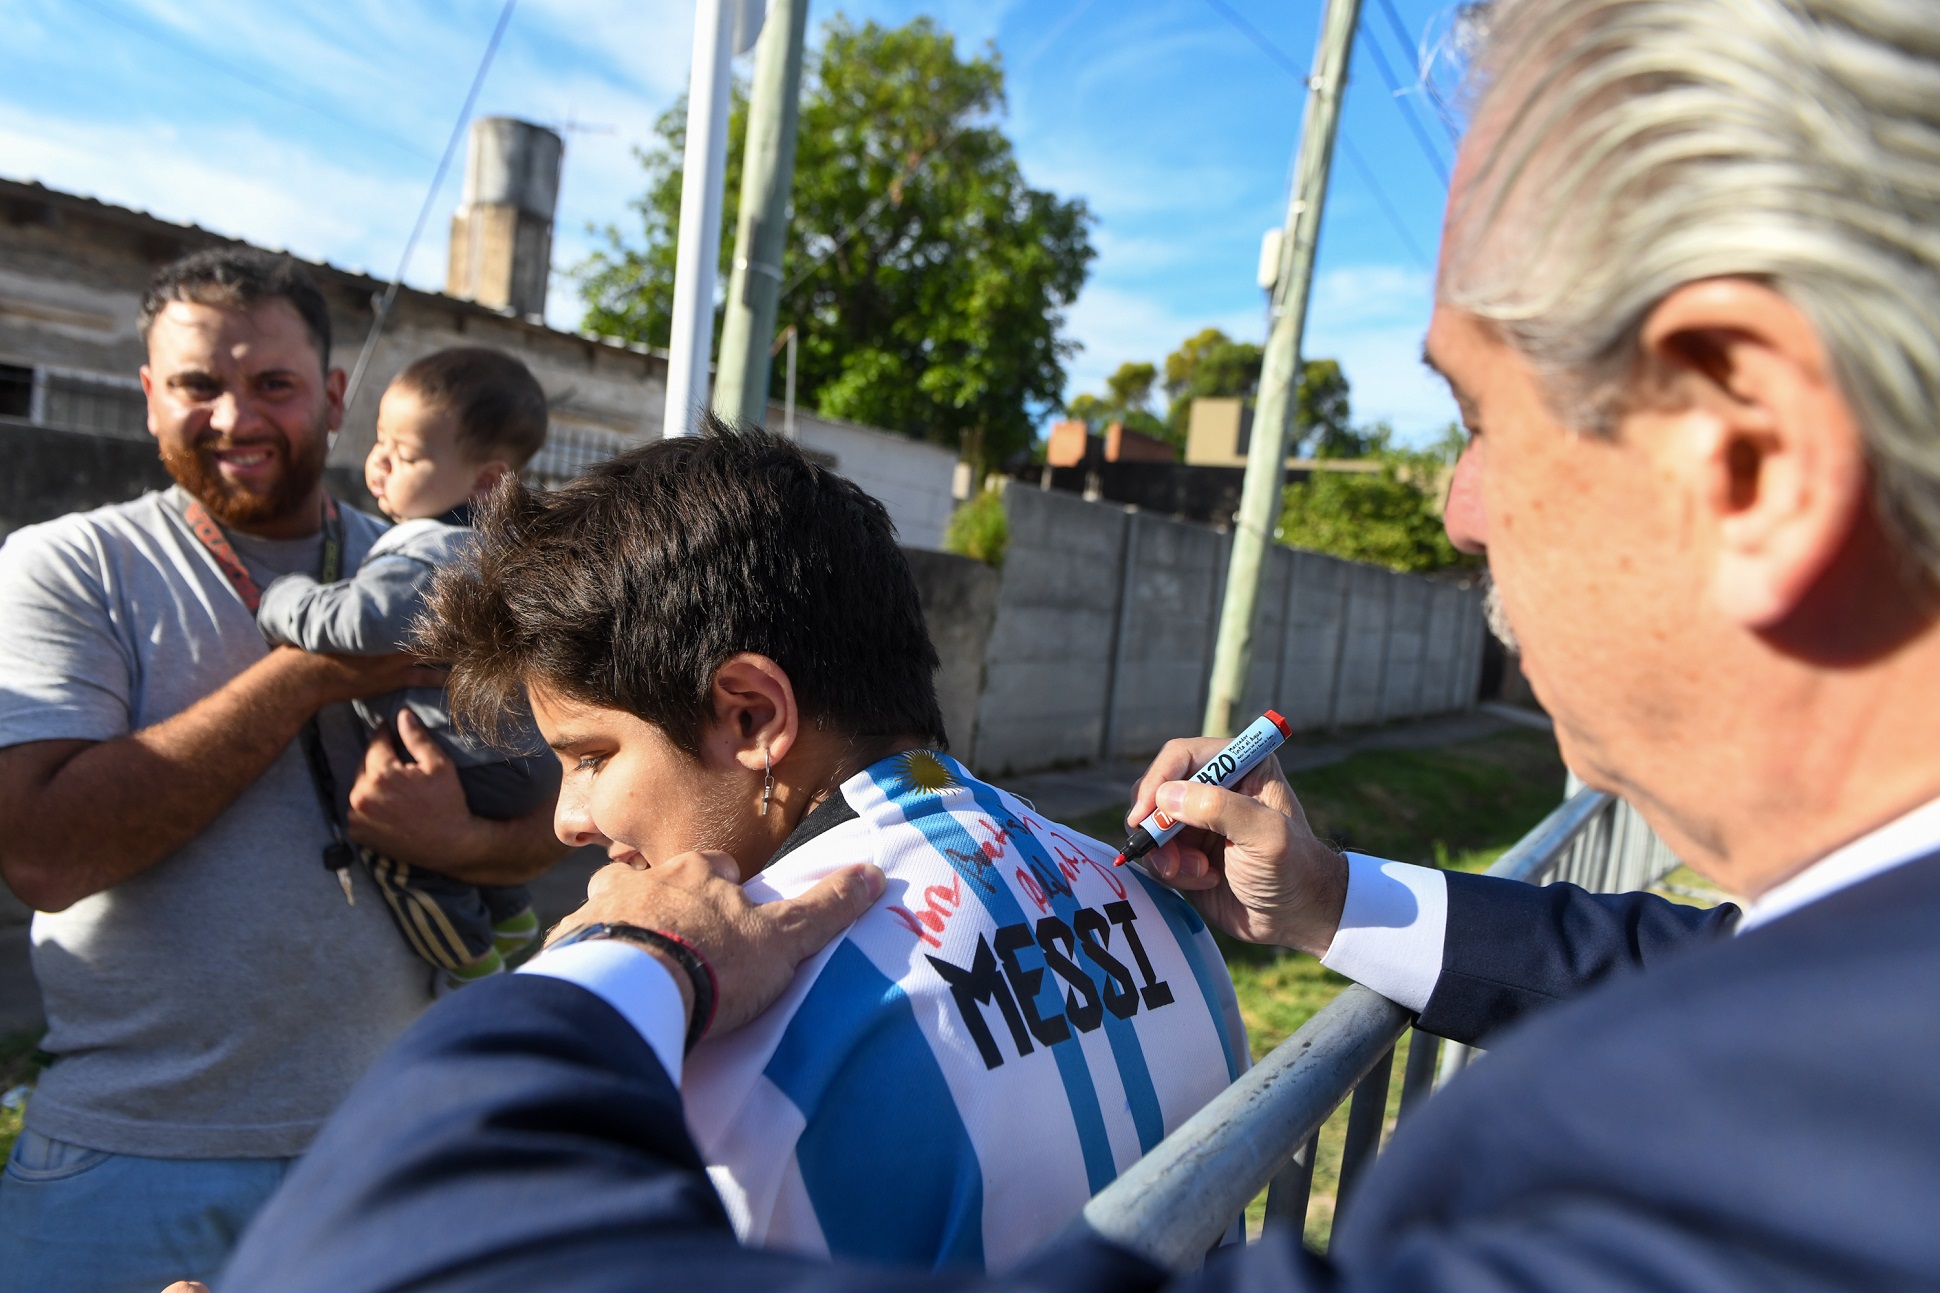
1286 1198
1418 1079
1365 1117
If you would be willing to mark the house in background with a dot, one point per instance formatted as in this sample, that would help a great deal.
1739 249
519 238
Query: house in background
73 423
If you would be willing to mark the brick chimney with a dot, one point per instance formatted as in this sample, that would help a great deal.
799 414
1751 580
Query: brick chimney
501 236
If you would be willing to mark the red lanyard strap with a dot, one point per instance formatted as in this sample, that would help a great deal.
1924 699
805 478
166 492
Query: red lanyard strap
338 854
205 529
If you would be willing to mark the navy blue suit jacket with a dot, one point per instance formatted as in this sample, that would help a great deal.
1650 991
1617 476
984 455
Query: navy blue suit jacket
1749 1113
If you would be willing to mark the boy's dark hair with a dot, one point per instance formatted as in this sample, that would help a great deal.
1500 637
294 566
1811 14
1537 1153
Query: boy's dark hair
238 278
500 407
629 587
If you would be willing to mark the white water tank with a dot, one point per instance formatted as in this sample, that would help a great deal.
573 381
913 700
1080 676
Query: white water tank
501 235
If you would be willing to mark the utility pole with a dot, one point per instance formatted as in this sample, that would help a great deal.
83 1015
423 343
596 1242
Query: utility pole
698 251
1259 503
767 178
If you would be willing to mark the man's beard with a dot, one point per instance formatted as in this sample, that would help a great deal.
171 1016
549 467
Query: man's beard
1498 618
235 505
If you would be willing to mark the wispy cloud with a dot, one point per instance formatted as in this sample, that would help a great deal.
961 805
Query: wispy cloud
281 194
1172 128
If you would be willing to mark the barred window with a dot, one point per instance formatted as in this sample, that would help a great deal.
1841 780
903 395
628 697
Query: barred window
569 450
67 399
95 403
16 391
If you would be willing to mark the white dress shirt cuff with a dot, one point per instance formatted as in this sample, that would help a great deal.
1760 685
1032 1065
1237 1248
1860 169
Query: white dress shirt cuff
1392 929
631 980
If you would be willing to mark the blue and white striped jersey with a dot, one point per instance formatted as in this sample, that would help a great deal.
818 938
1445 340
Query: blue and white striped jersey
1015 1023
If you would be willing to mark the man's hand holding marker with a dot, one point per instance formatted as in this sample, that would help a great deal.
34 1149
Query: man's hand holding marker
1239 847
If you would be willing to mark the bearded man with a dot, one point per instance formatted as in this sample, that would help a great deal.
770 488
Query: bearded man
215 974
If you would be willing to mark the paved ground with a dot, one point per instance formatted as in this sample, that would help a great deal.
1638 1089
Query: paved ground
1061 795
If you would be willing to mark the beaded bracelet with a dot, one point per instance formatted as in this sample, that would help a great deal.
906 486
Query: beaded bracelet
707 989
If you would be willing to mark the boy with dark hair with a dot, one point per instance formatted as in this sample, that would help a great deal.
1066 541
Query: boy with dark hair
723 643
448 428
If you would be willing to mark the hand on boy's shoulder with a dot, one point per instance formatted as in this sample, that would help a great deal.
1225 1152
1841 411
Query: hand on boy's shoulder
752 947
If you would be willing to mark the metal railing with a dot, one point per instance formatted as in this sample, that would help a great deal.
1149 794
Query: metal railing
1263 1132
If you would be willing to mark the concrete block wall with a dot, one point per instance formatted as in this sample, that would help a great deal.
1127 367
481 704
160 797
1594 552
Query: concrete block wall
911 478
1104 626
1360 680
959 605
1045 682
1173 577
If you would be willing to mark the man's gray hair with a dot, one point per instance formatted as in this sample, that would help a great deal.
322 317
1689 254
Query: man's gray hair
1632 146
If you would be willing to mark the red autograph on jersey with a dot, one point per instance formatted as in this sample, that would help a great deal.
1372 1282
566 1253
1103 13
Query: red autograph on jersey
939 904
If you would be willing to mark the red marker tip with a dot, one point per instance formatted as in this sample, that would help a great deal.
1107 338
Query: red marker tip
1120 861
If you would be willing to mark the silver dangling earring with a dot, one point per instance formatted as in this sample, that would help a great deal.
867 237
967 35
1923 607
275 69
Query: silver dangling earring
767 779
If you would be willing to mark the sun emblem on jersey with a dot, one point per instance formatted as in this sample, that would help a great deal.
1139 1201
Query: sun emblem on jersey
924 774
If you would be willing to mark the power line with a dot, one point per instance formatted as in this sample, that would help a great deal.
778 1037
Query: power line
1394 217
1259 38
915 164
382 305
255 82
1407 109
1274 52
1407 42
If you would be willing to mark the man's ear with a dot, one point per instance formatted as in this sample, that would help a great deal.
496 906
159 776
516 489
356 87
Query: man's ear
148 398
335 381
489 474
1765 436
755 717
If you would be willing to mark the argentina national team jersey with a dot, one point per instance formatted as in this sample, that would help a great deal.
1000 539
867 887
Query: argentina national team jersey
1011 1026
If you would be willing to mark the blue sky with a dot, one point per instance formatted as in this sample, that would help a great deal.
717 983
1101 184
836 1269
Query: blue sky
316 127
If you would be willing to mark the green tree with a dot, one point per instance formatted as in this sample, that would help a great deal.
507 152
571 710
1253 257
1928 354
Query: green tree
1209 364
1131 386
927 279
1127 400
1321 413
1391 517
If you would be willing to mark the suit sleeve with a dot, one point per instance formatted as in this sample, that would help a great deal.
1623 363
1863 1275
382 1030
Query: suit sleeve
522 1135
1512 947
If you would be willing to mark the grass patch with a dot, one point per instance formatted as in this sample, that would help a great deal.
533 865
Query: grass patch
1455 806
20 1063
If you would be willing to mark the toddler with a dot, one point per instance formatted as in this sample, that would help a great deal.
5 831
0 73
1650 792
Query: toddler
448 428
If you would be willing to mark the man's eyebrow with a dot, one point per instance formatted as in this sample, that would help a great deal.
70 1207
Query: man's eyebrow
1454 387
1428 361
565 742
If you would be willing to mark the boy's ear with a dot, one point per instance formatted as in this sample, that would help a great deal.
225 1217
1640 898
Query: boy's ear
755 717
489 475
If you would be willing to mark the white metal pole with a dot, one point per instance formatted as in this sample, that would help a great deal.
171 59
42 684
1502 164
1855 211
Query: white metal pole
703 178
1260 497
788 417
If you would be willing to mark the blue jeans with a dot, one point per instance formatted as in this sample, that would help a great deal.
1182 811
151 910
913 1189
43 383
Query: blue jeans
93 1222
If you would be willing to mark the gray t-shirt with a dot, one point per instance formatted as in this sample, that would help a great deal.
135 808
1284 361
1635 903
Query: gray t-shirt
219 1004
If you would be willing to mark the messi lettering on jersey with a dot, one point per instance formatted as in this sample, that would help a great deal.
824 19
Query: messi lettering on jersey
1014 990
1014 1023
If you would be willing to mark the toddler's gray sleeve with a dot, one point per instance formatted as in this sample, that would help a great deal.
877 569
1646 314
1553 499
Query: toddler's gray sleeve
367 614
